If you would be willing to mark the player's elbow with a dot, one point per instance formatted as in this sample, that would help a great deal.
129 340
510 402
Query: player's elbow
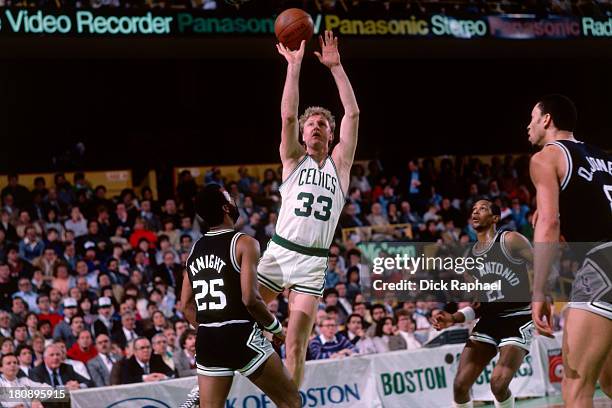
289 118
352 113
549 222
249 300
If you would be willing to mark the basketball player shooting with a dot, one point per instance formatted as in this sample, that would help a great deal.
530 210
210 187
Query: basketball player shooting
504 315
574 198
222 301
313 194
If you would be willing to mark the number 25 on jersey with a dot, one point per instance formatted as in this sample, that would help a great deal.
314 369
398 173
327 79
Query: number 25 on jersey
219 300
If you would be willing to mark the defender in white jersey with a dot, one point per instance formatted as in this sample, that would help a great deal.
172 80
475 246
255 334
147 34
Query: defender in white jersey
313 189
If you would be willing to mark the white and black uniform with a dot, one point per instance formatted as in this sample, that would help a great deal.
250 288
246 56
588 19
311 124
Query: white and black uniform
228 337
505 314
585 206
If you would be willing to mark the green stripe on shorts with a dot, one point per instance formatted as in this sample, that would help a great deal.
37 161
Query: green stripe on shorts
320 252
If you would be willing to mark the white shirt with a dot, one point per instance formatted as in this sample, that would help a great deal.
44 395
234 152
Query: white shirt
79 367
106 361
411 342
23 383
129 334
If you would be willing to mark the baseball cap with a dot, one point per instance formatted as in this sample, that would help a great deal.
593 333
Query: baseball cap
70 302
104 302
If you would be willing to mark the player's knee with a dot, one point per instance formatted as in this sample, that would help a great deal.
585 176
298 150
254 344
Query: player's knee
577 388
461 388
499 385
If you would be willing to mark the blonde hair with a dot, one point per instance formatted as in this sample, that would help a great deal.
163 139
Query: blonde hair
317 110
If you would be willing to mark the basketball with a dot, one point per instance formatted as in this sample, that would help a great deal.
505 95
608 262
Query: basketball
292 26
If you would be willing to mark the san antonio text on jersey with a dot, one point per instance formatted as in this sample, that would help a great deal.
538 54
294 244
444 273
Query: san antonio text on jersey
514 297
214 274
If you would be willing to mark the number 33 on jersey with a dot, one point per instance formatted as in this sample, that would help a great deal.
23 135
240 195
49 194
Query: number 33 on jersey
312 203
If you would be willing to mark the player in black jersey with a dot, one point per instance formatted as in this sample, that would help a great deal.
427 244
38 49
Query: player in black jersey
221 299
504 315
574 200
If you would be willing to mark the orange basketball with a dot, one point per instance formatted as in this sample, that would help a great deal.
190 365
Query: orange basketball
292 26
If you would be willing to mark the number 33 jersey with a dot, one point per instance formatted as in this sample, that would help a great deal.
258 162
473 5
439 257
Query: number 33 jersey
312 203
214 275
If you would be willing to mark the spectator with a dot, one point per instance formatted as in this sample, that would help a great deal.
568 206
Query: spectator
83 349
126 331
379 343
170 271
9 367
27 294
405 339
378 313
5 327
332 274
20 194
30 247
25 355
44 310
160 348
19 310
62 281
184 358
31 322
63 329
77 223
144 366
104 323
56 373
354 328
101 365
328 344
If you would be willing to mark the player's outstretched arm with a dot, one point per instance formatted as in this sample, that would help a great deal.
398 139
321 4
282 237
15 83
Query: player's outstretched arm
247 254
290 149
329 56
546 235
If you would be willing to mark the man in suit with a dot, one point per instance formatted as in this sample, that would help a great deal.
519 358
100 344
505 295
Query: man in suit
184 359
144 366
104 324
126 331
56 374
170 271
100 366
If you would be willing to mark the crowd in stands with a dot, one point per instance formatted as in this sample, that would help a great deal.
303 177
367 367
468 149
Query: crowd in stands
90 284
596 8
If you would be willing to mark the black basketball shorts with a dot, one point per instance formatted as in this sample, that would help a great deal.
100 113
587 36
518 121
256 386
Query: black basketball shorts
225 347
505 331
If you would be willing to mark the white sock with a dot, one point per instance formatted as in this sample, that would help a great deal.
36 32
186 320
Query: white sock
509 403
469 404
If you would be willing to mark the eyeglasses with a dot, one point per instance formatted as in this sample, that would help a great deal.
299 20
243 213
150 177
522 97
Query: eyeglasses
329 325
144 348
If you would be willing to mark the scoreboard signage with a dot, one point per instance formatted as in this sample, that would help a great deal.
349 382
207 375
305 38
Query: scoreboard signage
97 23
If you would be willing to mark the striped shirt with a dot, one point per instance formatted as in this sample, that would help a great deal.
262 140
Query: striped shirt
320 348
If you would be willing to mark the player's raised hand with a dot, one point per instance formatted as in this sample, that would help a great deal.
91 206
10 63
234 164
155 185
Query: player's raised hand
541 313
329 55
292 57
441 320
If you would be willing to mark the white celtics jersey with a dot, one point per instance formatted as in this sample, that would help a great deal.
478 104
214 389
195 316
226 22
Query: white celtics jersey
312 203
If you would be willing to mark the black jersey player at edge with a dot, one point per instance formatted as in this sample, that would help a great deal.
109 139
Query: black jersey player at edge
504 316
221 299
